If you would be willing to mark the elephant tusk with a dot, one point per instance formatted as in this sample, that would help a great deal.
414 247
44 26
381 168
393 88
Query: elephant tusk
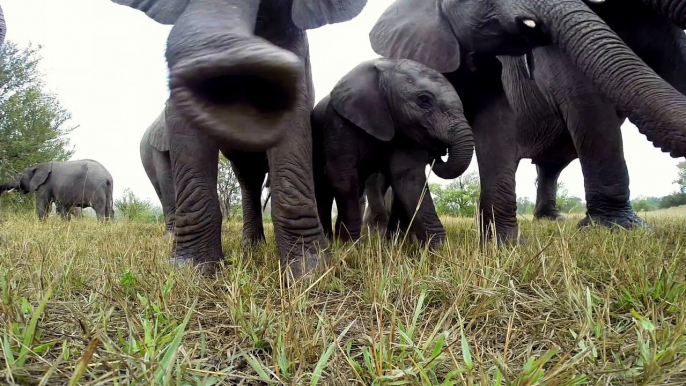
596 1
530 23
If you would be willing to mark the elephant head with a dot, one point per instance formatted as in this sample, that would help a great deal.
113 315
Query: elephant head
234 85
389 98
437 32
35 176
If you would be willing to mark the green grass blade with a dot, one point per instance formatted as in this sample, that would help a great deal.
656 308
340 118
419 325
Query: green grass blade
170 354
31 329
317 374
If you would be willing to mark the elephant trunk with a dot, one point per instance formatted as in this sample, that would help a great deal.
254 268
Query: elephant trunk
460 142
652 104
232 85
8 187
674 10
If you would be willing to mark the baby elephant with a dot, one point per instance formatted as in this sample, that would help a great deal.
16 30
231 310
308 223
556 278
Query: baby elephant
71 184
391 117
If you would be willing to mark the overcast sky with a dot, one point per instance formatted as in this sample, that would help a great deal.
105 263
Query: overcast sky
106 64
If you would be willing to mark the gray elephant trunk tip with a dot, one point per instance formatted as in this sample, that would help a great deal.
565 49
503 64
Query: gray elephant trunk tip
225 80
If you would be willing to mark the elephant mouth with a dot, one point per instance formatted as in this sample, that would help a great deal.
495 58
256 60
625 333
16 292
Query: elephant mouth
240 95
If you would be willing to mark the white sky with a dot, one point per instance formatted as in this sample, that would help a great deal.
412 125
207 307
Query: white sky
106 64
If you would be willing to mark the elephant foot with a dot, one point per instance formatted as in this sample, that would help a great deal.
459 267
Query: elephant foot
625 221
508 237
435 241
310 265
252 241
206 268
550 216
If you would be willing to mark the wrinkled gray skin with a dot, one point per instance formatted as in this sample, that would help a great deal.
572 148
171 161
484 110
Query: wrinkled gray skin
82 184
562 93
387 116
240 83
154 149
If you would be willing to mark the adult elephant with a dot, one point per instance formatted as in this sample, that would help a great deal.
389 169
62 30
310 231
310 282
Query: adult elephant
154 150
82 184
569 64
239 78
387 116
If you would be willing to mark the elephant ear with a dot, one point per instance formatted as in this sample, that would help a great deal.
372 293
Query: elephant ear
311 14
39 175
162 11
416 30
157 133
359 97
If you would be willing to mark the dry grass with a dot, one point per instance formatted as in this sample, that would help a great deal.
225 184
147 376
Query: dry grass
90 303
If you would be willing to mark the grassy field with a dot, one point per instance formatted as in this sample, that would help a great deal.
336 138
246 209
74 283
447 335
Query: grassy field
90 303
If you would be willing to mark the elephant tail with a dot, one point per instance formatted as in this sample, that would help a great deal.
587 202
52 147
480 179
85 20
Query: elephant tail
109 206
267 184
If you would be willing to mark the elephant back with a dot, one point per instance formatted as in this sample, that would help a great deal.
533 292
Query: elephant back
156 135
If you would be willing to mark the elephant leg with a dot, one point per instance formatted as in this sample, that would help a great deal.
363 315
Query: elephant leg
495 136
250 170
408 179
595 129
195 164
165 187
299 234
349 220
63 212
398 219
324 196
99 205
546 195
376 216
43 205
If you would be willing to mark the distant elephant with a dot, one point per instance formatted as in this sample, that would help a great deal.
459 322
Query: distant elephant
240 83
387 116
83 183
565 84
154 149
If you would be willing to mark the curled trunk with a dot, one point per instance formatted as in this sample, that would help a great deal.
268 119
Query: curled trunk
460 141
652 104
235 86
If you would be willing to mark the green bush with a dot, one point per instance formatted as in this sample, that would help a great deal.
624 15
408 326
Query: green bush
132 208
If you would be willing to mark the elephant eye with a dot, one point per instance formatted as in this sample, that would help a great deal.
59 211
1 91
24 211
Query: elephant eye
424 101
